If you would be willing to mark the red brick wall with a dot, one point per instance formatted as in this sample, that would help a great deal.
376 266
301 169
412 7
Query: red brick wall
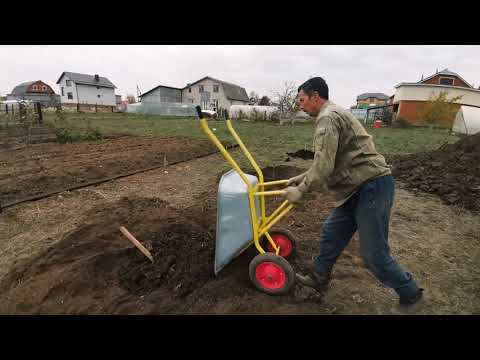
436 81
39 85
408 110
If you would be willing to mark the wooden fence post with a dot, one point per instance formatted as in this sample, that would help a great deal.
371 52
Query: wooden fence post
39 111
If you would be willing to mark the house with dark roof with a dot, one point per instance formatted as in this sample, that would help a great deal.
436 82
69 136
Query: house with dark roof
86 90
208 92
410 96
36 91
371 99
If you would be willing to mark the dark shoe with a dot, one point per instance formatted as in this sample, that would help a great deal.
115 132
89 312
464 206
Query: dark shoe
413 300
410 306
313 280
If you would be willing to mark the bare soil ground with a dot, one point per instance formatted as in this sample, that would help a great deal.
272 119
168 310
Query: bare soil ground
451 172
65 255
48 166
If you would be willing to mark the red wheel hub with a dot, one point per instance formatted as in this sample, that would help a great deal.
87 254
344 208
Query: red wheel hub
270 275
284 242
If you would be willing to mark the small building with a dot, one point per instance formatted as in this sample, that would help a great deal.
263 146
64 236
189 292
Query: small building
410 96
209 93
87 92
36 91
118 101
371 99
162 94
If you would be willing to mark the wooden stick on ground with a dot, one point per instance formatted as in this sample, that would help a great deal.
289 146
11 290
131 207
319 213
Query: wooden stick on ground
136 243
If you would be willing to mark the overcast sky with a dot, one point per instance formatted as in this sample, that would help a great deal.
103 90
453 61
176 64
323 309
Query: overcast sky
348 70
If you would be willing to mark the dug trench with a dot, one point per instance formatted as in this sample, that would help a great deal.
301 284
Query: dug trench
96 270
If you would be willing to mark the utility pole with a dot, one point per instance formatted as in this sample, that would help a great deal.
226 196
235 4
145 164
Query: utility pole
138 93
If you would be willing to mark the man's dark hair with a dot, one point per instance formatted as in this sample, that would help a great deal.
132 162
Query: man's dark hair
315 84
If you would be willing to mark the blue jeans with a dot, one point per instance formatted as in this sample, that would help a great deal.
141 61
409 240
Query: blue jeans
367 211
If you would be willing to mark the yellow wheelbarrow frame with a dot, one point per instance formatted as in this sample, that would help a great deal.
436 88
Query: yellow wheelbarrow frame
262 227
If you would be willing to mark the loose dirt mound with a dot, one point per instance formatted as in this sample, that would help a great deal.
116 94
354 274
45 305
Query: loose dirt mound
452 172
281 172
302 154
96 270
185 261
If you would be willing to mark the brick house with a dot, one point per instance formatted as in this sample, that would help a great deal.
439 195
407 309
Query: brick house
36 91
409 96
371 99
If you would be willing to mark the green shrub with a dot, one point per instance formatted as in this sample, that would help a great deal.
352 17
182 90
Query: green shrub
92 134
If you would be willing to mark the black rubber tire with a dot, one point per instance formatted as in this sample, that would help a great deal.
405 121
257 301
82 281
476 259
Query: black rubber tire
264 241
278 260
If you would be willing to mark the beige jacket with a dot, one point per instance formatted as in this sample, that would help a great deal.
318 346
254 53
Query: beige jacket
345 155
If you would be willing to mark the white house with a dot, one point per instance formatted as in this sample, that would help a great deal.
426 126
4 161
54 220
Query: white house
86 90
210 93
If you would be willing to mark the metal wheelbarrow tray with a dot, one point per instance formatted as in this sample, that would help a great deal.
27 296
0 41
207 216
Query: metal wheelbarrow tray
242 221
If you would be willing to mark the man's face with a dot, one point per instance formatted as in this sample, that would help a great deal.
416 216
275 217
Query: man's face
310 104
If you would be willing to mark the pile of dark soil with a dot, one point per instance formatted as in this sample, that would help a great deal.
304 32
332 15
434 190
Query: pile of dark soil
95 269
187 256
302 154
451 172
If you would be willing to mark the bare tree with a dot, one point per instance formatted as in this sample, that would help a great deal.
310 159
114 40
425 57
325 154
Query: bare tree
286 97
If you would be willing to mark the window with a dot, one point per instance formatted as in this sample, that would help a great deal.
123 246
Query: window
69 83
215 88
63 94
98 87
189 90
34 87
200 88
98 96
446 81
70 96
44 88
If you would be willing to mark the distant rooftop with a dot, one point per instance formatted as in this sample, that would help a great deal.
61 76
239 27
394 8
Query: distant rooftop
366 96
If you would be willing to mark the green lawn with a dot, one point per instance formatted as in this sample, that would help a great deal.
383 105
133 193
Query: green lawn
269 142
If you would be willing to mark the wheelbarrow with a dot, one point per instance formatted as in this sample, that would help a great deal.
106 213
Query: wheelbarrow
242 221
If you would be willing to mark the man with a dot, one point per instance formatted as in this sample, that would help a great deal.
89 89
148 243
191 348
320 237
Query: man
347 163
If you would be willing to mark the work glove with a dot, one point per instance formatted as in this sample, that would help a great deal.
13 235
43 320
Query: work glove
296 180
293 194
